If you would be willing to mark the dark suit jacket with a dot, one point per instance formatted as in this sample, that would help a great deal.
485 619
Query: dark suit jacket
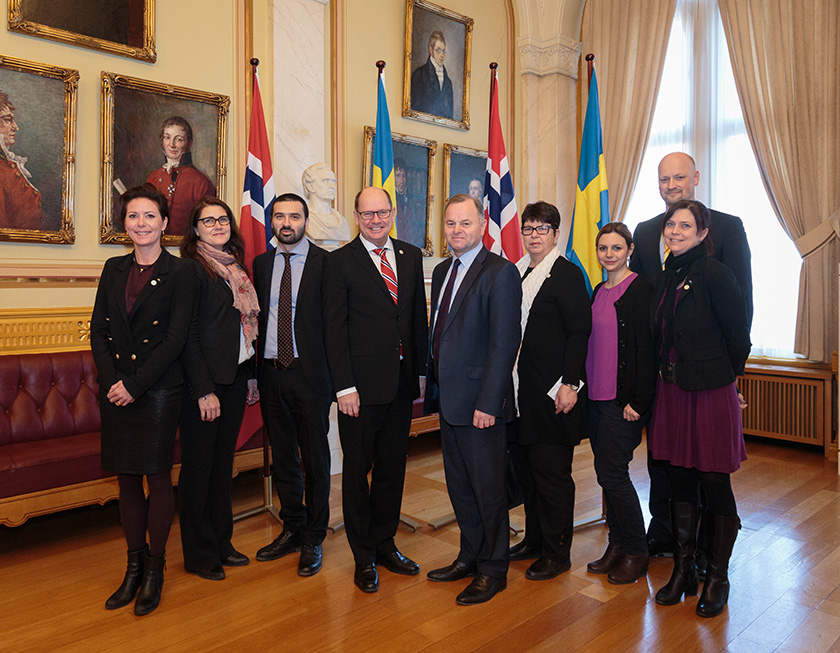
142 350
364 328
309 320
426 93
730 244
479 342
711 333
212 352
554 344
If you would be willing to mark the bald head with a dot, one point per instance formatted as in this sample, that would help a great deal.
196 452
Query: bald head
678 177
374 215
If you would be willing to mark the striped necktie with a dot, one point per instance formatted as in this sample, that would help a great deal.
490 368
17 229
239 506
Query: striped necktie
387 273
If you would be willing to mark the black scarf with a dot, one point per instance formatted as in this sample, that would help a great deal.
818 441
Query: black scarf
674 274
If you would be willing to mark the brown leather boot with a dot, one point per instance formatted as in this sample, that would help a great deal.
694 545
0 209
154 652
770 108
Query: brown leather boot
606 562
629 568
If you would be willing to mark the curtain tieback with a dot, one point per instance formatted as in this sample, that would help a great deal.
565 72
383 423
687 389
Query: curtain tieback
819 236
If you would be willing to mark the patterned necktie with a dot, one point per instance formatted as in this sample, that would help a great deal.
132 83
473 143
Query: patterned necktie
285 346
443 313
387 273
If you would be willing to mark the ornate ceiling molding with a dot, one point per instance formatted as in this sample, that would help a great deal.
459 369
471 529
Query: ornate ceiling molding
556 56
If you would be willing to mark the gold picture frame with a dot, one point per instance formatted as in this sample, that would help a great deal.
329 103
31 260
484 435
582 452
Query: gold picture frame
132 106
38 102
418 158
425 98
113 26
461 167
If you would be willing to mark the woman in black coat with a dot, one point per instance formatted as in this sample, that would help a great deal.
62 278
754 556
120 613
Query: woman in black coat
701 340
140 324
549 375
621 375
218 362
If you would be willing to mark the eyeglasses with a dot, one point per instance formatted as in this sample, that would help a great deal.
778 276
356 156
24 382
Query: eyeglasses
211 222
542 229
368 215
439 50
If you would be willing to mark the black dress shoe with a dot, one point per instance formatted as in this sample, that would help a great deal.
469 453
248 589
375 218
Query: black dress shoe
524 551
366 578
547 568
660 547
310 560
482 589
209 573
456 571
284 544
397 563
236 559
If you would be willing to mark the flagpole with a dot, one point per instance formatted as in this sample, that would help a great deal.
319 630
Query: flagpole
590 66
493 67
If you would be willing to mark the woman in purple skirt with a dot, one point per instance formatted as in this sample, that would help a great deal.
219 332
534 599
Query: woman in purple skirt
701 339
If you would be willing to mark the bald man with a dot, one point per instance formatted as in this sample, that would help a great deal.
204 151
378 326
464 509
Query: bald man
678 179
376 339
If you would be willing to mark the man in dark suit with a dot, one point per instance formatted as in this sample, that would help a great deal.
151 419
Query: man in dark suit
376 335
678 177
294 382
476 304
431 88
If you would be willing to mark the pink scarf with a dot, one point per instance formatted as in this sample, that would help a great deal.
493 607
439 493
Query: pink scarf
244 295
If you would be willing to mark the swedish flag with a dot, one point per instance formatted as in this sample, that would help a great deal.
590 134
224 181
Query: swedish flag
383 149
592 208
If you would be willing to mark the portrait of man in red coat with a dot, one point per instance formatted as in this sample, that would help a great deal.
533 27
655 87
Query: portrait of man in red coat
20 200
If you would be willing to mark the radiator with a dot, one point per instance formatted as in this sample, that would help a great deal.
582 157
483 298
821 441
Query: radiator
788 403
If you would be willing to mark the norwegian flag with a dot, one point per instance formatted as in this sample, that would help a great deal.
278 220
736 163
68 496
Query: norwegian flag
258 193
502 235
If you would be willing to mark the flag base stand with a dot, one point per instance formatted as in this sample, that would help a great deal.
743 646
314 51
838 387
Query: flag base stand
268 491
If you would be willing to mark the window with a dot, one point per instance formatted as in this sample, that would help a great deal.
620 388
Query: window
698 112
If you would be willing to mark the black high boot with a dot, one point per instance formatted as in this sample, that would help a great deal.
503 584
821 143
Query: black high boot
684 522
149 595
133 573
722 533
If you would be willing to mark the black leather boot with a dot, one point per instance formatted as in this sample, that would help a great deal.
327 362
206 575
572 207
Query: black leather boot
684 522
722 533
133 573
149 595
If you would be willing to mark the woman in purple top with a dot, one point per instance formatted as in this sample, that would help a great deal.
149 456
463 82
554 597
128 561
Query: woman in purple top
701 340
621 373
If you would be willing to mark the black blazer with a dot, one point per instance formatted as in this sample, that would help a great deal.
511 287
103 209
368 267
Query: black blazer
426 93
730 248
479 342
142 350
212 352
309 319
636 376
711 333
364 328
554 344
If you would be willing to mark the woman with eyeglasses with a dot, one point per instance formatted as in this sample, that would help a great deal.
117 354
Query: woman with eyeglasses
548 377
220 380
621 376
140 324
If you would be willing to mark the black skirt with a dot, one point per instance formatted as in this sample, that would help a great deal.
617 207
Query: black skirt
139 438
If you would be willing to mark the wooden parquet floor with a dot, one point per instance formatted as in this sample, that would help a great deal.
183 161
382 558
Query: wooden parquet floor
57 571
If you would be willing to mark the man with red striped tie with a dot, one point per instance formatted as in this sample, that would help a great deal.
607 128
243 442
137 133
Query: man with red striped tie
376 335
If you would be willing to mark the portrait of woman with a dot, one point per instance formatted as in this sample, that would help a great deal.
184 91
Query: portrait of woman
178 179
140 324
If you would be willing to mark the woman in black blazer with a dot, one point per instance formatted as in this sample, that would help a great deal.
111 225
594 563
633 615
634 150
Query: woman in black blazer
621 375
218 362
140 324
701 340
548 375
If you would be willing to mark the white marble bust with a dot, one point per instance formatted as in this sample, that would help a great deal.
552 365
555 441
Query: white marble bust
325 223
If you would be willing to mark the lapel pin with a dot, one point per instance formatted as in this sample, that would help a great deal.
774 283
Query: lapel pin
686 287
401 251
154 282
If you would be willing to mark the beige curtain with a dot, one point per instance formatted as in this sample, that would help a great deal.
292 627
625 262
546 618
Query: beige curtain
629 39
786 61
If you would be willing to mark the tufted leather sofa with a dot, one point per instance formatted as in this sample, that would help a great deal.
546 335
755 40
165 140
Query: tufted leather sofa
49 436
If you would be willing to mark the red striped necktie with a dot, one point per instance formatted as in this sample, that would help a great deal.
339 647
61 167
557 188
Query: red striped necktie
387 273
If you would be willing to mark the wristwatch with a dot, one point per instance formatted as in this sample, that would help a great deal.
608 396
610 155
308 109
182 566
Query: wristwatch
572 386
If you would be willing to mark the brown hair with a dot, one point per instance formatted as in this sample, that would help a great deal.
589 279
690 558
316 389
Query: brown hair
463 197
702 218
146 191
179 122
235 245
541 212
616 228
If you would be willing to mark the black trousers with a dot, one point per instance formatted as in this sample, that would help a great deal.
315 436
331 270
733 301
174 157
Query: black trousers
207 451
475 464
544 472
375 442
298 421
659 498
